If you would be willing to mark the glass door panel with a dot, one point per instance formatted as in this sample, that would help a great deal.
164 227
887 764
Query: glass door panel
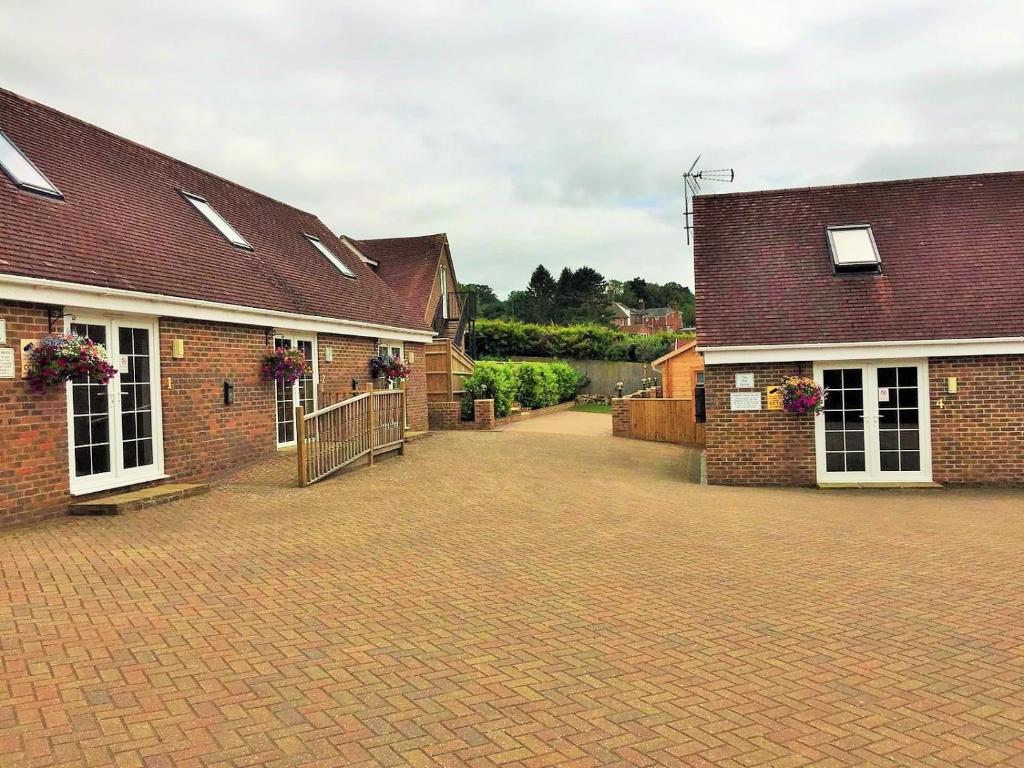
845 447
133 348
285 403
90 409
899 432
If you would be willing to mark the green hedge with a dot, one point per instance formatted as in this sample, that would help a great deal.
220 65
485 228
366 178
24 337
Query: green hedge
511 338
532 385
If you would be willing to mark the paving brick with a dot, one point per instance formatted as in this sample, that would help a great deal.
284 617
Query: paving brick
567 600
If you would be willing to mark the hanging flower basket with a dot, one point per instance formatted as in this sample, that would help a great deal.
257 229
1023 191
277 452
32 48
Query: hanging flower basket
801 394
60 358
285 366
391 368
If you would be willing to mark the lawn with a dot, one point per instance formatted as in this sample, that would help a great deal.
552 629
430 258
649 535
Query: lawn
593 408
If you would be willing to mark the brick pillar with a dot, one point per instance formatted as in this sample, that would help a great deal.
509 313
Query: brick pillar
483 414
620 417
445 415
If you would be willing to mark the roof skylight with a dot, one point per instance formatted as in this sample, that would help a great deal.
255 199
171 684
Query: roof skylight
853 248
21 170
218 221
330 256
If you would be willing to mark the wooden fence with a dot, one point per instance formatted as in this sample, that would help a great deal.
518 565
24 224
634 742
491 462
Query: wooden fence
447 367
661 419
367 424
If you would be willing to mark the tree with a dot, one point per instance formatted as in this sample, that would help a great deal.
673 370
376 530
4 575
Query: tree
488 305
540 293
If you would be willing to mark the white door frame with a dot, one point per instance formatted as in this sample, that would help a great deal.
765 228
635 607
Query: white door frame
118 476
872 472
293 338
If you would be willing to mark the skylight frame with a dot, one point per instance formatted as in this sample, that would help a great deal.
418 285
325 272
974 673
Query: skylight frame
212 216
843 267
50 190
329 255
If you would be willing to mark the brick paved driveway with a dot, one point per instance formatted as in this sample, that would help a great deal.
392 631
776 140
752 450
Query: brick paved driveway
519 599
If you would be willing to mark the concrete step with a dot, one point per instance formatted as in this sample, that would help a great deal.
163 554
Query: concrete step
878 485
146 497
412 436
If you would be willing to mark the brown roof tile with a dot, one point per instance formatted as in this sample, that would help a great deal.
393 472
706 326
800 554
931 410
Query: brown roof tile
123 224
952 253
407 264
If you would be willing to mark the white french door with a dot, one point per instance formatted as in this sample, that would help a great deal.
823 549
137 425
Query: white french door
876 425
388 349
302 392
115 432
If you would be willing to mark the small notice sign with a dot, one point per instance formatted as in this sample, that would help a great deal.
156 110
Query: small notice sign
122 363
773 397
744 381
7 363
883 394
745 401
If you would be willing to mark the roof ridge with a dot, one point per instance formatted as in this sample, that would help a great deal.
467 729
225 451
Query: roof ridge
856 184
140 145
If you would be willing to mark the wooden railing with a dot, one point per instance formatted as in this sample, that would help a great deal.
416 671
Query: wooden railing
366 424
447 367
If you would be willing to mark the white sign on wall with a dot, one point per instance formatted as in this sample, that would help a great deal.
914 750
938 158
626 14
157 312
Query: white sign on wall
3 331
745 401
744 381
6 363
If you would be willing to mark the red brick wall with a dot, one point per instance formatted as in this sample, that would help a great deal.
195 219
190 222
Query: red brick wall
33 431
978 434
203 437
352 361
756 447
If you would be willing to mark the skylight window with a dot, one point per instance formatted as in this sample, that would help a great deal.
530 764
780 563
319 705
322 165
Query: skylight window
218 221
21 170
853 249
330 256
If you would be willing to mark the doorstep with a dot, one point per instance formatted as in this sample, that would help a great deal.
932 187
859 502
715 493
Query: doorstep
147 497
411 436
896 486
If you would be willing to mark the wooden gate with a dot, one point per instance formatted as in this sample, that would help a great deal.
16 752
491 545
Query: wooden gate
663 419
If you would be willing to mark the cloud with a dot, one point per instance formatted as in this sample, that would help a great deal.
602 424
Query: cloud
534 131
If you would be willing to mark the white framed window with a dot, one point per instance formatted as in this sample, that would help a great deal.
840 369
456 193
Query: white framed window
338 263
23 171
219 222
303 392
853 248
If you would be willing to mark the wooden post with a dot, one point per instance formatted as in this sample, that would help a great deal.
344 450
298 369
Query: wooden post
300 444
372 411
405 416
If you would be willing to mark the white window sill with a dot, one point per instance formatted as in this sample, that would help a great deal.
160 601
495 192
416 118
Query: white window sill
121 482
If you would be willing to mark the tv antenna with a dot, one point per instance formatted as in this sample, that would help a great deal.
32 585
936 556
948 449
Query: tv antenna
691 187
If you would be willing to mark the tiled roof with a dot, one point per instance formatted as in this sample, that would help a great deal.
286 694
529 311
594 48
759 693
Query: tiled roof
952 252
123 224
407 264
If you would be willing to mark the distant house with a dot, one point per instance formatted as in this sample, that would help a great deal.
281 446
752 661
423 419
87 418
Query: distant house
188 280
905 299
644 321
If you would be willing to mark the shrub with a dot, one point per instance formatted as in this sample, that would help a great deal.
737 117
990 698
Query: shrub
568 378
532 385
536 384
508 338
490 381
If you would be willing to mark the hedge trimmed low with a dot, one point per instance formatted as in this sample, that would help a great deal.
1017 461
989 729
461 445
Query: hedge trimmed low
532 385
511 338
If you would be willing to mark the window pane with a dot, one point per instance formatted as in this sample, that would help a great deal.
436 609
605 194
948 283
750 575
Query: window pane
100 459
145 453
338 263
853 378
21 169
908 418
909 439
906 398
908 376
83 462
890 461
855 462
889 440
833 379
834 462
887 418
834 441
887 377
221 224
855 441
910 461
854 398
130 455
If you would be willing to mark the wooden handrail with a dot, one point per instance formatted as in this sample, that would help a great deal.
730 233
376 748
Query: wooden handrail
367 424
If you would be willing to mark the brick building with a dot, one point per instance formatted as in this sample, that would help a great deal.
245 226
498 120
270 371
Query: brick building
905 299
188 280
642 321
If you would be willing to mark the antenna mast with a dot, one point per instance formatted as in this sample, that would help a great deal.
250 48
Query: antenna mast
691 187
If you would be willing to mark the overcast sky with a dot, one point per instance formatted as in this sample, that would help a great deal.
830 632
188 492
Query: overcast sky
534 132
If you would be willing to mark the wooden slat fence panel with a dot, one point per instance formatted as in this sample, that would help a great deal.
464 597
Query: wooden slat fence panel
666 420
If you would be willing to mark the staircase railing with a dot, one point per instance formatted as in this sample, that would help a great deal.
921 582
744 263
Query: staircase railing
465 332
368 424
